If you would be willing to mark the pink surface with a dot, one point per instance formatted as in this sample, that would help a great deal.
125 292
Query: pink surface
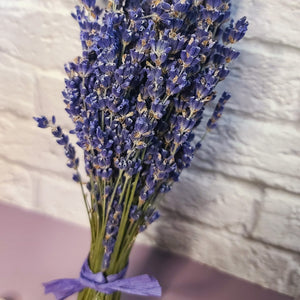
35 249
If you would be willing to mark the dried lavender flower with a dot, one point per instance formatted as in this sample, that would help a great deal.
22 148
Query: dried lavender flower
136 95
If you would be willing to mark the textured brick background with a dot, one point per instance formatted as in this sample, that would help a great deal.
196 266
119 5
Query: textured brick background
238 207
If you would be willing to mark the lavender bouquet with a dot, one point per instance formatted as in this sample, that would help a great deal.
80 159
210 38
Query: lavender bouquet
147 72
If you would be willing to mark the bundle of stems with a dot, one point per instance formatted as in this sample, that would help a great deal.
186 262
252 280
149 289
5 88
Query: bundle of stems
136 95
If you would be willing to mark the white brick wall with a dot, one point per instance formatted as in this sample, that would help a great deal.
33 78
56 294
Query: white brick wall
238 207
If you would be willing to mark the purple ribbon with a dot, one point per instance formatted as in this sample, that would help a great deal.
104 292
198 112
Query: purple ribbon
143 285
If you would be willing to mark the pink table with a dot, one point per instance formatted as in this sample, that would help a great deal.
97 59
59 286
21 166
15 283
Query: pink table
35 248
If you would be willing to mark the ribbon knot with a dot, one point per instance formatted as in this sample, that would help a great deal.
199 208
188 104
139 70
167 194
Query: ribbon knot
143 285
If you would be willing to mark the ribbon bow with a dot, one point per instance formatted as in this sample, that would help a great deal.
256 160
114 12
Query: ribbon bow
143 285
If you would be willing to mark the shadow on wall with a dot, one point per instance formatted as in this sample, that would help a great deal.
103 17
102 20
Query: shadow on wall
220 200
199 199
215 195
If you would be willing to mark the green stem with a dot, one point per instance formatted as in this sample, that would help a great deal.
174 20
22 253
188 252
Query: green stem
113 195
89 294
84 198
203 136
114 258
103 203
95 213
124 189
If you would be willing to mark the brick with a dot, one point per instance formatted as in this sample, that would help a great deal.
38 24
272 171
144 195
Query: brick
249 173
16 185
263 68
267 147
51 100
209 198
66 5
25 144
63 7
273 21
279 220
17 92
60 6
62 199
47 40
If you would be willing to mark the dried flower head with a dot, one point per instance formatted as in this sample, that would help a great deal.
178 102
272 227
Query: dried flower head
147 72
